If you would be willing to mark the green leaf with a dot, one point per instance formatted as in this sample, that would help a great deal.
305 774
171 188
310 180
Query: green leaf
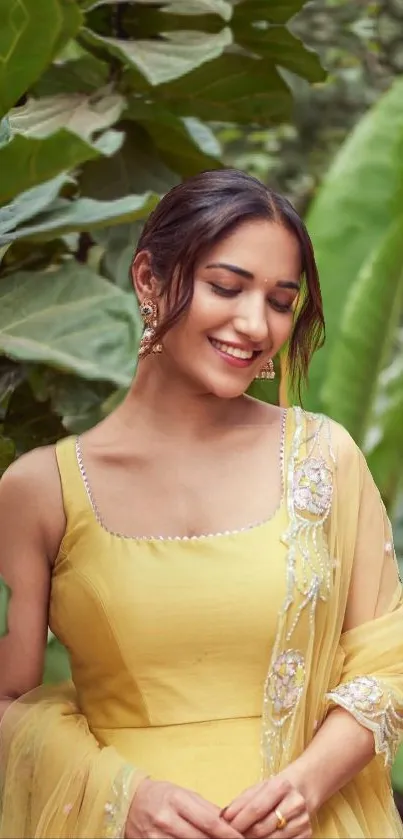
186 145
82 214
384 440
30 423
84 115
136 168
200 7
5 131
30 203
5 597
223 8
278 45
71 319
367 326
118 243
84 74
275 11
172 55
26 162
31 34
230 89
79 402
357 203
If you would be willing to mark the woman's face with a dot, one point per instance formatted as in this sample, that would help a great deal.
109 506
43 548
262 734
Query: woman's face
241 313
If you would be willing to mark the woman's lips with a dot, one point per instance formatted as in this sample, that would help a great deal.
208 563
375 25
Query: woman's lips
234 356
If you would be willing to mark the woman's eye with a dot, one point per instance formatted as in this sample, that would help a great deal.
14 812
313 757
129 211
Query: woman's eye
281 307
224 292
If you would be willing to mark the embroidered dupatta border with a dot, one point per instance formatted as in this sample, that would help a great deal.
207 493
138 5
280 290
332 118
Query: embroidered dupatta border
308 480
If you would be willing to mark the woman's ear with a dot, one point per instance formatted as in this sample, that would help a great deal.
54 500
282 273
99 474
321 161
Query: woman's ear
144 282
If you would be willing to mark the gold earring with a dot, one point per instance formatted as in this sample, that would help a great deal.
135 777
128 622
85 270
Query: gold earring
267 371
149 313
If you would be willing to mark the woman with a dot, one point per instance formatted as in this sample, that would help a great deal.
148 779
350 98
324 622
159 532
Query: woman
221 571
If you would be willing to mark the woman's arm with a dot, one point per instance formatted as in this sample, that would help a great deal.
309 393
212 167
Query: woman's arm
54 777
341 748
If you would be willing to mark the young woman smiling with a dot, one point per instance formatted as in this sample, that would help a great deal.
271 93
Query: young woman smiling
221 570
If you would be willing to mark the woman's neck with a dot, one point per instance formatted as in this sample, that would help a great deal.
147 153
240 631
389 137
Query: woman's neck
175 409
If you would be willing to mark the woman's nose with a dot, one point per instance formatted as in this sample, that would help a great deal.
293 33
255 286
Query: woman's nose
252 322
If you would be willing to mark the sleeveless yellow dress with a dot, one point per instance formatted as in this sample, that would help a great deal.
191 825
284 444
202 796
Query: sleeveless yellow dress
212 661
169 640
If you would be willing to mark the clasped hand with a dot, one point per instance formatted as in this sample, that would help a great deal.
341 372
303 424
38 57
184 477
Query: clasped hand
162 810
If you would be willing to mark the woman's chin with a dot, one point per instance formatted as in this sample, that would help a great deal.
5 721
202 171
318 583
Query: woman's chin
227 387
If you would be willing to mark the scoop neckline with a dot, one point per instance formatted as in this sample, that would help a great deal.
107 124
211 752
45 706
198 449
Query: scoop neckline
201 537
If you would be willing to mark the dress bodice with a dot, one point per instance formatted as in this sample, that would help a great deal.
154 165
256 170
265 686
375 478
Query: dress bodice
169 640
164 631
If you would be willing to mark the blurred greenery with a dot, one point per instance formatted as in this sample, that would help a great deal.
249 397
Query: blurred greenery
104 106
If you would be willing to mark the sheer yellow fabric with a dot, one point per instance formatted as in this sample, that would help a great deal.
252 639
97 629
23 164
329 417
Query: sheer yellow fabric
308 614
55 779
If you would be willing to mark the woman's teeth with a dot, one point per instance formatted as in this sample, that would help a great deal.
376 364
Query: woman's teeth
235 351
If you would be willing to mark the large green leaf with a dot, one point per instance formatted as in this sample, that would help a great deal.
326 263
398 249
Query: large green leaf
355 207
366 329
71 319
31 33
87 214
28 161
230 89
172 55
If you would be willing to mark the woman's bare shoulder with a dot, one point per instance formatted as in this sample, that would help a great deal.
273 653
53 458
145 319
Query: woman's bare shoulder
30 490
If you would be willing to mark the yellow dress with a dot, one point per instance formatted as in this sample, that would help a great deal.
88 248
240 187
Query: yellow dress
209 661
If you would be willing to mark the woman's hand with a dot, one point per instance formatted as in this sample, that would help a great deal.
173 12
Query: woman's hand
254 815
161 810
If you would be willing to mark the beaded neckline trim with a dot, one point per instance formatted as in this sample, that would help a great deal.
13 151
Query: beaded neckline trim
197 537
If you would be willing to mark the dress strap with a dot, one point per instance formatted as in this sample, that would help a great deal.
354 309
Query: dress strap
75 497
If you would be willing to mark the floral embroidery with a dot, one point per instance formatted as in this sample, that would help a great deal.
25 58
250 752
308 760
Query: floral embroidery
287 682
376 708
309 574
313 487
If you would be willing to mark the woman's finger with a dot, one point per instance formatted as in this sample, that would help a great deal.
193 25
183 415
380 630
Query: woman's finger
267 797
181 829
239 803
297 820
203 816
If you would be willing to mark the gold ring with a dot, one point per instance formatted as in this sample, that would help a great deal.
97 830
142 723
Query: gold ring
281 820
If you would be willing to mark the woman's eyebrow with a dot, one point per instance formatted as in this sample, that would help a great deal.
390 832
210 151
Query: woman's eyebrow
242 272
234 268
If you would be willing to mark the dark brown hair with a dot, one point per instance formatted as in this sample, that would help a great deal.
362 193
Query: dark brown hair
194 216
